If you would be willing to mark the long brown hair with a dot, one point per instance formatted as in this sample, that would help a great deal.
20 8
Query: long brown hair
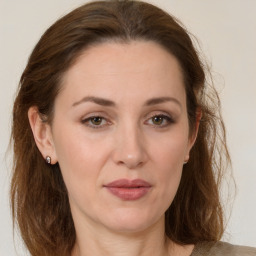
39 198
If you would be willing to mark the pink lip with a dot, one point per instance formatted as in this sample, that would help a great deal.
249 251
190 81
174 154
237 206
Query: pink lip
129 189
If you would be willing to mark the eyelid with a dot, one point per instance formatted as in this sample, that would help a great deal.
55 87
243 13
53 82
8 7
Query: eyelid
85 120
168 117
96 113
159 113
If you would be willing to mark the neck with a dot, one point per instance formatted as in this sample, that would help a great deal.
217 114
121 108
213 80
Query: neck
151 241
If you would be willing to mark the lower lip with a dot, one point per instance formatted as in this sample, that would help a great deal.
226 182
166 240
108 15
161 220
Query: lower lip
129 193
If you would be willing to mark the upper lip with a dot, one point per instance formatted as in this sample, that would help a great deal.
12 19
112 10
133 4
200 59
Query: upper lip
125 183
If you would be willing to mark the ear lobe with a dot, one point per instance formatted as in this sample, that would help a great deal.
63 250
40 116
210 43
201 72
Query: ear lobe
42 134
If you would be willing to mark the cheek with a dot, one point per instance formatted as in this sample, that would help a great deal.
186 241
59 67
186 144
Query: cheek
81 157
75 149
170 169
168 156
169 181
80 171
77 161
169 150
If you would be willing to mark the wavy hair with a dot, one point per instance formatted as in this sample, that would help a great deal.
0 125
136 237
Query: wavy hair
39 197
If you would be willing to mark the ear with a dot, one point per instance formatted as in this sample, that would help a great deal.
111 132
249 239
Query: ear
42 134
193 136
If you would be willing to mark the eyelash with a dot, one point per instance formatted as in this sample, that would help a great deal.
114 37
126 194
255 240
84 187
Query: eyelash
88 120
167 119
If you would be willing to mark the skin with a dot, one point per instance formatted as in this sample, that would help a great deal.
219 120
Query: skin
126 142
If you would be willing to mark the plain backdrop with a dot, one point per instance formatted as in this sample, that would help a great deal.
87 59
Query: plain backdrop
226 30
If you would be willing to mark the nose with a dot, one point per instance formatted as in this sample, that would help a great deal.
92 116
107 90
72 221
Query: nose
130 148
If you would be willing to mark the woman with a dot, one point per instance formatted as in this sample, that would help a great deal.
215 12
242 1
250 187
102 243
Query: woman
118 145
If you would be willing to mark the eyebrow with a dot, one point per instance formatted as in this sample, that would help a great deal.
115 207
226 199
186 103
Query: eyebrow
159 100
97 100
109 103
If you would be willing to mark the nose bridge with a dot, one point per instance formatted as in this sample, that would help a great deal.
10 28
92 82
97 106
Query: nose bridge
130 145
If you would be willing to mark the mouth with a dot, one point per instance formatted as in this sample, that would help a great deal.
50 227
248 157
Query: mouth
128 189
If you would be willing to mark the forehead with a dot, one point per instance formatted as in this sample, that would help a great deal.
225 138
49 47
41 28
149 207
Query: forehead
137 67
112 57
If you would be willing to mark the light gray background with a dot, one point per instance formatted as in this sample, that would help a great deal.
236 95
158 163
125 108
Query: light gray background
226 30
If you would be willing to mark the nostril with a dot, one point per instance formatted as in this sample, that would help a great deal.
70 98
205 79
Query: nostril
132 155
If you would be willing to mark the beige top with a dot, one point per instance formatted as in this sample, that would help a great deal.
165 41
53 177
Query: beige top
222 249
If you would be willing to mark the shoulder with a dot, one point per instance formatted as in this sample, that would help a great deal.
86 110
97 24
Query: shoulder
222 249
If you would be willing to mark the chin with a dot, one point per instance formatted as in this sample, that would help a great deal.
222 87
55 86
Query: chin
132 221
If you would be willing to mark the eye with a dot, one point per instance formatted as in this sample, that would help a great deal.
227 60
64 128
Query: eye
95 121
160 120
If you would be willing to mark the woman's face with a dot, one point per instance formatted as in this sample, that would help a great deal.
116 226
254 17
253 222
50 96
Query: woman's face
120 134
